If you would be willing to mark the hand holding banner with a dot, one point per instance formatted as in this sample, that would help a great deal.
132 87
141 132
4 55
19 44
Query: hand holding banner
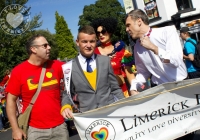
164 112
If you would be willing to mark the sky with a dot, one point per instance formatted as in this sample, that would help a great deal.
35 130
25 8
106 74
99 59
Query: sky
69 9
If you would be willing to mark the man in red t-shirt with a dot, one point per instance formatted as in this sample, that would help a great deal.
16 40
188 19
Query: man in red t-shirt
46 122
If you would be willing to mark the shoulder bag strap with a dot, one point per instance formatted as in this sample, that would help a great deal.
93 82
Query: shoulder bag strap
195 45
191 42
39 84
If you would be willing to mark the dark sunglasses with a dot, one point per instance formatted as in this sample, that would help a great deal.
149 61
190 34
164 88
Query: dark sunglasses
102 32
43 45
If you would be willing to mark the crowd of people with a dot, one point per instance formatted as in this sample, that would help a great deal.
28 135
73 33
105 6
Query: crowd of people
100 75
3 116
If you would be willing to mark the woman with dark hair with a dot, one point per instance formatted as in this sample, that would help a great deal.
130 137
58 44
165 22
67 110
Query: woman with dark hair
121 59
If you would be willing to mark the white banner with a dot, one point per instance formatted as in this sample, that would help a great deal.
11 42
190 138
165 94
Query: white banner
164 112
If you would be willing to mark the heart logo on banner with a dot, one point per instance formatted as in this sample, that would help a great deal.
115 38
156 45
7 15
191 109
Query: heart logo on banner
14 19
101 135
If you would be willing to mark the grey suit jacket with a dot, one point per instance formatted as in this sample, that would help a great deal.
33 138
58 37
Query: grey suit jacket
106 85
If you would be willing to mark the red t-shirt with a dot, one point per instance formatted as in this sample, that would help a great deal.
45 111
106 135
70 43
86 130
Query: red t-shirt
24 82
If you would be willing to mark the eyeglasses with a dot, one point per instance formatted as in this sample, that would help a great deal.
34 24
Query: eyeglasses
43 45
102 31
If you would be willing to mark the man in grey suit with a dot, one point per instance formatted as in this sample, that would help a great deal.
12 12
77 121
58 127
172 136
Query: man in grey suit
92 77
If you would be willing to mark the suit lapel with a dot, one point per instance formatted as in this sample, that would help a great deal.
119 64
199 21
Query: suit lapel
78 69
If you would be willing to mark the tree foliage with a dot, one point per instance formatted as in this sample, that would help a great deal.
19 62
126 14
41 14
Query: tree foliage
4 3
64 39
12 50
104 9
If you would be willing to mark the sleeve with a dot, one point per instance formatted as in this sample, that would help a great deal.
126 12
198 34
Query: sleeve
127 59
189 48
115 89
14 83
60 63
173 49
142 73
66 101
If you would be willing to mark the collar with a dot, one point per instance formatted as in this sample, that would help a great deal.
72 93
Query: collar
106 44
188 38
149 32
83 59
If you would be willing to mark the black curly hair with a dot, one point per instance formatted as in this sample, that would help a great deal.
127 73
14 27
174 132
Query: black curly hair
109 24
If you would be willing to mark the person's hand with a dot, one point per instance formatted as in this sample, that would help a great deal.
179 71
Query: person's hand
67 113
133 92
146 43
18 134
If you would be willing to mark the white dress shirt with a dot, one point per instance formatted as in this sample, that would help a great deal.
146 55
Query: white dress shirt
83 62
148 63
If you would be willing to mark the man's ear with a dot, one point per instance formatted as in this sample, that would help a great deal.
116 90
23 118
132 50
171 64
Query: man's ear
77 43
33 49
139 21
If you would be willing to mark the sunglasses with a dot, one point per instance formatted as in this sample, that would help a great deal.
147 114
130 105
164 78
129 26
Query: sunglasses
102 32
43 45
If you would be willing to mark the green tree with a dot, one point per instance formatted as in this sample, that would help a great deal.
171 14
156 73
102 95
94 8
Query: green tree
104 9
64 39
4 3
12 50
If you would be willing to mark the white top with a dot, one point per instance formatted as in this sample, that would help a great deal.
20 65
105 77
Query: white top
83 62
147 63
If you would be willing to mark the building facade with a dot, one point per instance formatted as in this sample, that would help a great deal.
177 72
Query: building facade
170 12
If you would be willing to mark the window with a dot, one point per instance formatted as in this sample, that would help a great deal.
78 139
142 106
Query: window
183 4
151 9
